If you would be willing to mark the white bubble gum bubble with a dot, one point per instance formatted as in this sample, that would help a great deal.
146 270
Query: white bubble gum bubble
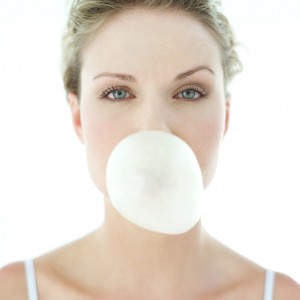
154 181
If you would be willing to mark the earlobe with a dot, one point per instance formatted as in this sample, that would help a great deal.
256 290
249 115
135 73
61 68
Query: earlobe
75 113
227 115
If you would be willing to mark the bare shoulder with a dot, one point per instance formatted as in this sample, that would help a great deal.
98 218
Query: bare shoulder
12 282
286 288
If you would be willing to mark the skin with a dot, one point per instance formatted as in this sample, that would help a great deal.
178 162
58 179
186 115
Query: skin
120 260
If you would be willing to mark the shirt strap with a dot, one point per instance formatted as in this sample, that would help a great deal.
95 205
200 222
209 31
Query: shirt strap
31 280
269 285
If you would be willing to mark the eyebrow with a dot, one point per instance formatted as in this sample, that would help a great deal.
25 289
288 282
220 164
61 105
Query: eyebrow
128 77
192 71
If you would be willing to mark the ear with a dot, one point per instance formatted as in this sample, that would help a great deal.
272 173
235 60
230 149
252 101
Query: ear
227 114
75 113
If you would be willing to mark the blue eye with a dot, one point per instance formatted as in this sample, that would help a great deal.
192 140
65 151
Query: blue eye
189 94
192 93
117 93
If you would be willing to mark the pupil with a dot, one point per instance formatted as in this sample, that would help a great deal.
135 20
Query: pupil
189 94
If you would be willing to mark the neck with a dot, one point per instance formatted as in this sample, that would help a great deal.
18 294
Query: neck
136 256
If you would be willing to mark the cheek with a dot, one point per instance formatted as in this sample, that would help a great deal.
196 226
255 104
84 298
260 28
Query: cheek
206 140
100 137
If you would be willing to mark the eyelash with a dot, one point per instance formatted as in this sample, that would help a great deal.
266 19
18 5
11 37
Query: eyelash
201 91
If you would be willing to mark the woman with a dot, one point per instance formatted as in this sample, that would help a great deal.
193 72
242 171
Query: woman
133 66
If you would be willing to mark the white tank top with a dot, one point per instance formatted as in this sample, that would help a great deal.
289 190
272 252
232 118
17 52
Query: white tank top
30 280
33 291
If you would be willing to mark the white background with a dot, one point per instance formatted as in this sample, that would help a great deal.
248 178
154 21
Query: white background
46 196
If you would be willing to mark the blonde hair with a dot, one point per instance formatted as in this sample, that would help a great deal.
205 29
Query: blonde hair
86 16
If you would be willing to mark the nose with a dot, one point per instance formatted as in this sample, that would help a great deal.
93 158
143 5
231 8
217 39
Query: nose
155 115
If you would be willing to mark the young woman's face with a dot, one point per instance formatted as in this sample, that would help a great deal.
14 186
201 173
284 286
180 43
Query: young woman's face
151 70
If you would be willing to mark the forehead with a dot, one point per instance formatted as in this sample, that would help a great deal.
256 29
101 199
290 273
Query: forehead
152 39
